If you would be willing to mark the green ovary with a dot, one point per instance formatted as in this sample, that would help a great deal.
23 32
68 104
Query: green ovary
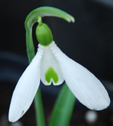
51 74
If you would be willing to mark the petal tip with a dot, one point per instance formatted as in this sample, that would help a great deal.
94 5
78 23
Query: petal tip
102 105
12 118
15 112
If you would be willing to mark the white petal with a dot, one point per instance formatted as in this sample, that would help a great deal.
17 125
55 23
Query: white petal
25 89
49 61
84 85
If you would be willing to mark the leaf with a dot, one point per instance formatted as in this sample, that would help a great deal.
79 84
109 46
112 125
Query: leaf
63 108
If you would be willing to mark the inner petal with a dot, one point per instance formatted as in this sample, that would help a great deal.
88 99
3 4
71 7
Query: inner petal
51 75
50 70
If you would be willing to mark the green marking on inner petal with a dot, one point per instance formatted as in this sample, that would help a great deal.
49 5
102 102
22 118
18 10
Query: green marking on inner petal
51 74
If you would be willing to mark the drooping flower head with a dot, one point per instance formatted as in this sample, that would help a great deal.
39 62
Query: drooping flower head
51 65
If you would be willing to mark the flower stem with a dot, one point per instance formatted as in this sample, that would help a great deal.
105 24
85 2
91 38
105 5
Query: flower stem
40 119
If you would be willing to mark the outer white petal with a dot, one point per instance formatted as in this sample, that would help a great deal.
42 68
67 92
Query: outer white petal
25 89
48 60
84 85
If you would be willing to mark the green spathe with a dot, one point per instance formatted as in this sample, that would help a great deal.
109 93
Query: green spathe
51 74
44 34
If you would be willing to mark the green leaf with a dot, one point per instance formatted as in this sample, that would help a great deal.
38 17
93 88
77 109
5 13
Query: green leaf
63 108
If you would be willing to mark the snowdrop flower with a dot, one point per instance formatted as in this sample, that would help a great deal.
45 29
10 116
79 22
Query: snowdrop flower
51 65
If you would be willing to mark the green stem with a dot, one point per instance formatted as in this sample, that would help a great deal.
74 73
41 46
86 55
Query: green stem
39 109
40 120
35 16
47 11
29 44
